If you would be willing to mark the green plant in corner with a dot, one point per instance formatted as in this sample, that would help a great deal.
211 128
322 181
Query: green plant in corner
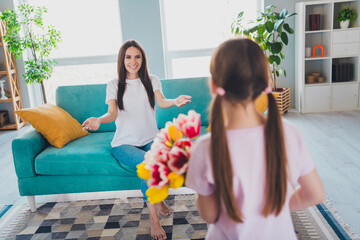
26 31
346 14
270 31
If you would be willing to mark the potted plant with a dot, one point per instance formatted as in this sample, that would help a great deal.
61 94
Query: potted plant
270 31
26 31
345 16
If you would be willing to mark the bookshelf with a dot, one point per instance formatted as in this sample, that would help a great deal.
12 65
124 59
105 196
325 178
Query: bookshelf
339 67
11 82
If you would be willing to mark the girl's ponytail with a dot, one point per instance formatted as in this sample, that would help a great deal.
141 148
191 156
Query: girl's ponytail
221 163
276 177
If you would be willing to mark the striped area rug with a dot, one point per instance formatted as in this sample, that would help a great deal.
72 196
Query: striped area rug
128 218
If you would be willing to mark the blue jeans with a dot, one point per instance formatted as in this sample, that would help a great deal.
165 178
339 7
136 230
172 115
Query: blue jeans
132 156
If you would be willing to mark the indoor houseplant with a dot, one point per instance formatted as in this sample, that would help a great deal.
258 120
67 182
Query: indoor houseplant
270 31
26 31
345 16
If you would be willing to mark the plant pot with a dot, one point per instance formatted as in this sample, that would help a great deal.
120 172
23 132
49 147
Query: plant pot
282 96
344 24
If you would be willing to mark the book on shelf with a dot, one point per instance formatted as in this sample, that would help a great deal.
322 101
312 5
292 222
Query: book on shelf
342 72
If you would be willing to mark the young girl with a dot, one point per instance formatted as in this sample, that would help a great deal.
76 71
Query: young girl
245 170
131 103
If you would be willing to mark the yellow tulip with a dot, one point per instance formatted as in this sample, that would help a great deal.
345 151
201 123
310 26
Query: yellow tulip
142 172
156 195
176 180
174 134
168 144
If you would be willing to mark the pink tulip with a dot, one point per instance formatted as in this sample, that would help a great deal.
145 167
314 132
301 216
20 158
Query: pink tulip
158 176
179 159
189 124
160 150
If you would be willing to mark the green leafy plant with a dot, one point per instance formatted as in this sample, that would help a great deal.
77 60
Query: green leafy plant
270 31
26 31
346 14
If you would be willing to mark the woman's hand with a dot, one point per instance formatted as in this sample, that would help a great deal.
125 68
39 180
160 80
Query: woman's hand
92 124
182 100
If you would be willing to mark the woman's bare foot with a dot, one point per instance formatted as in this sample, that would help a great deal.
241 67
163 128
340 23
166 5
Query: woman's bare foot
163 209
157 232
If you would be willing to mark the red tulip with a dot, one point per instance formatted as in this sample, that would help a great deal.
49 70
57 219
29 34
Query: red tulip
179 159
159 175
189 124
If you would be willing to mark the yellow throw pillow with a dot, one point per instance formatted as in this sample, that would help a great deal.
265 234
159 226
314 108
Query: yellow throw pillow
54 123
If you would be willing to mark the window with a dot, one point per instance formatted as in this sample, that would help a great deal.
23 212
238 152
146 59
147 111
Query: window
91 38
192 29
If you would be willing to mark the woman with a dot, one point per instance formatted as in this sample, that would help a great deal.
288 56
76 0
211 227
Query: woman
131 104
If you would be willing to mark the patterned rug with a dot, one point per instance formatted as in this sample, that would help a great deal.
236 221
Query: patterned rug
128 218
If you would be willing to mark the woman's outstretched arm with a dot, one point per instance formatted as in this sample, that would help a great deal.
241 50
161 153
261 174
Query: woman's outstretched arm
93 123
180 101
310 192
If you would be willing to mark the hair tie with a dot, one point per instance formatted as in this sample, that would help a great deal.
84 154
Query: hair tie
268 90
220 91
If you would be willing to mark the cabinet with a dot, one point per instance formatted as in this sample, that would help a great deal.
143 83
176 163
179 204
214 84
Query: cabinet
317 98
9 74
338 86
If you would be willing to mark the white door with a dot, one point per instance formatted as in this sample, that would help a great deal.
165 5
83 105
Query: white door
317 98
344 96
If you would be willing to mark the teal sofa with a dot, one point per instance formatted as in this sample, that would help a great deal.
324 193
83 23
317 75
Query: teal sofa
86 164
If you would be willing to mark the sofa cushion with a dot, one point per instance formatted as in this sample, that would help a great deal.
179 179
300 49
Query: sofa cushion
55 124
197 88
90 155
84 101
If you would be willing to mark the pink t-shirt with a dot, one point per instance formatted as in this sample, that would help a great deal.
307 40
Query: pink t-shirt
246 148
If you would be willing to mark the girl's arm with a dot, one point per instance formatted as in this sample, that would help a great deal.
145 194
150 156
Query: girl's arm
208 208
180 101
93 123
310 192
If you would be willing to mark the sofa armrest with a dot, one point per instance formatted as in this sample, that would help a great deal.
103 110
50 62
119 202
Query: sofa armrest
25 148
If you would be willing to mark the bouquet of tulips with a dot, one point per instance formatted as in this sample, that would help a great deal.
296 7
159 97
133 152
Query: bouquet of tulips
167 161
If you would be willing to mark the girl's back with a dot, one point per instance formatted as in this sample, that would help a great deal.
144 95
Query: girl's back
246 147
245 170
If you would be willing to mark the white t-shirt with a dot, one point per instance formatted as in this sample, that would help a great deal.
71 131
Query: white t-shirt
136 124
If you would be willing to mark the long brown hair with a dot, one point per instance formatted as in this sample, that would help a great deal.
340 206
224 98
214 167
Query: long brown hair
240 67
143 73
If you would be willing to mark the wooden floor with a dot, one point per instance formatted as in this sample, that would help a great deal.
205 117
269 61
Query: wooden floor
333 140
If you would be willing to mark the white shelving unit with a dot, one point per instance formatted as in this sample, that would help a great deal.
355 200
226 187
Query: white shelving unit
341 46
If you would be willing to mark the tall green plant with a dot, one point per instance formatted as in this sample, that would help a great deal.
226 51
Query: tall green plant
270 31
26 31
